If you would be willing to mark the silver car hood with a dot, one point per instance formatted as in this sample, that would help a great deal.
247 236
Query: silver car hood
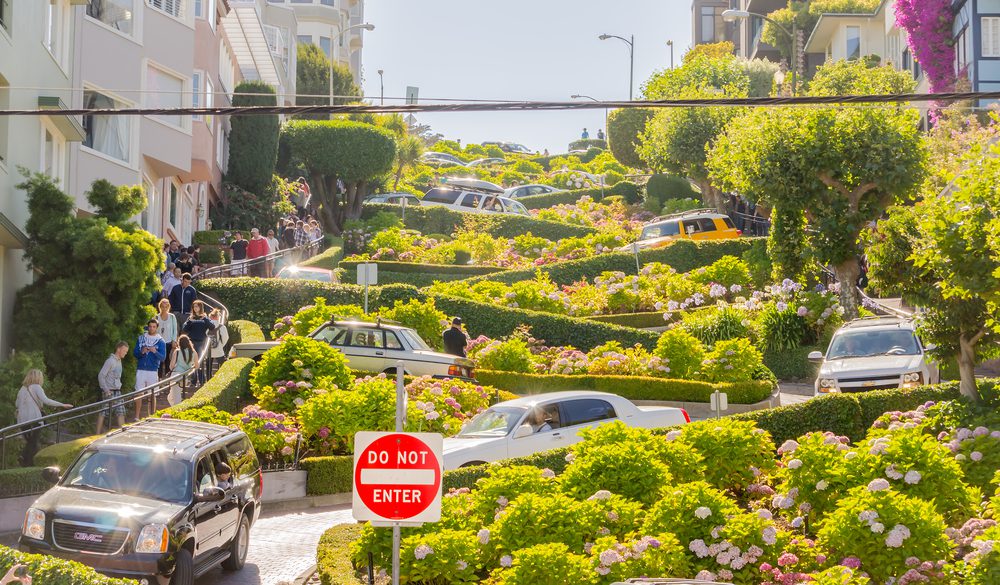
880 365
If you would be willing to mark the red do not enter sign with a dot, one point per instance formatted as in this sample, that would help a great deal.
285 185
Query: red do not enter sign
397 477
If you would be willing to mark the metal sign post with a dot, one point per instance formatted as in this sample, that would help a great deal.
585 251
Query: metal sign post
719 402
635 250
403 204
367 275
400 424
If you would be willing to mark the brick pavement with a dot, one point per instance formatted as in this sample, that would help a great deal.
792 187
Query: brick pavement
282 547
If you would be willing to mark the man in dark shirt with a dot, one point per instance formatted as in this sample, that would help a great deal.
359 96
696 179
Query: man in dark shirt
239 250
455 339
181 297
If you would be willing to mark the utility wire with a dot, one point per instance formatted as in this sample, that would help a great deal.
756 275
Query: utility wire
519 106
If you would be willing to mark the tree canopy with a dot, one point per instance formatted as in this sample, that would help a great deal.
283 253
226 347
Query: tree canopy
624 127
352 152
312 78
253 140
94 277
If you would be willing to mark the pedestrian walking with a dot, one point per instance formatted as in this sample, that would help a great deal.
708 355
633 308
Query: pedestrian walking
221 338
288 235
110 380
455 340
256 250
150 351
239 249
174 251
182 298
183 359
171 278
30 400
197 327
274 245
168 329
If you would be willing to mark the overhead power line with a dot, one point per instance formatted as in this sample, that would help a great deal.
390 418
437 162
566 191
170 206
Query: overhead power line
520 106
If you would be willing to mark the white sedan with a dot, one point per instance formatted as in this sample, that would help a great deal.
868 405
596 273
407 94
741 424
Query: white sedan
546 421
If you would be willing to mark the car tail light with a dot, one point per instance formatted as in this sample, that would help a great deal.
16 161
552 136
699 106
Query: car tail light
739 232
455 371
687 417
472 373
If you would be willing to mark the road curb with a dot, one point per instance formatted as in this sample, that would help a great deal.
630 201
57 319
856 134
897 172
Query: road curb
306 503
702 410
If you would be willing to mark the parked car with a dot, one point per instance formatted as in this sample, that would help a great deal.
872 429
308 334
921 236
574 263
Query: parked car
144 502
529 190
307 273
441 158
509 147
875 353
485 162
475 184
472 201
376 347
393 198
699 224
545 421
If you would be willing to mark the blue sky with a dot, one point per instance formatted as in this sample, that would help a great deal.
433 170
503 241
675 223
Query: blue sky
518 49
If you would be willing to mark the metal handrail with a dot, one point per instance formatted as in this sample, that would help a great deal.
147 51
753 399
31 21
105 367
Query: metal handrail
226 270
151 393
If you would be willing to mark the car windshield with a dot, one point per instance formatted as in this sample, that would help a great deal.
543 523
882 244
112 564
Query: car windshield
144 474
497 421
413 339
860 343
660 230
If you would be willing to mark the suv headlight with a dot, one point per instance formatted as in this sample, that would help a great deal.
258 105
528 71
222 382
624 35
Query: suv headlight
34 524
827 385
153 538
913 379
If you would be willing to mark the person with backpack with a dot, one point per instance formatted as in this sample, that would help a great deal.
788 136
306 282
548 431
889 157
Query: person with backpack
29 402
183 359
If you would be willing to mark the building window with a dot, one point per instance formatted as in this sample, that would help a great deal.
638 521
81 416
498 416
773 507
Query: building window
173 203
196 93
205 9
304 39
149 214
174 8
209 101
324 43
53 153
57 27
108 135
907 61
227 69
5 6
326 2
961 50
164 90
853 43
991 36
117 14
713 28
4 105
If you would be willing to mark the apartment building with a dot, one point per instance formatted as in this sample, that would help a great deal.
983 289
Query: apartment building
707 25
328 23
36 41
976 30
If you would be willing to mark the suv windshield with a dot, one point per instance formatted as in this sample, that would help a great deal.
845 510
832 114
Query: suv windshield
660 230
861 343
142 474
496 422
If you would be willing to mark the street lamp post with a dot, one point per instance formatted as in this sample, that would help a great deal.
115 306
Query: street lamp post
577 96
381 88
671 45
336 40
631 57
734 15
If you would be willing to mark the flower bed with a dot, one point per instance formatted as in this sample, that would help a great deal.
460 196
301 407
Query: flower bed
46 570
441 220
712 500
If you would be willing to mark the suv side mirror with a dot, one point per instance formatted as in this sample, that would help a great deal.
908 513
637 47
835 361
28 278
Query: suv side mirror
210 494
523 431
930 347
815 356
51 474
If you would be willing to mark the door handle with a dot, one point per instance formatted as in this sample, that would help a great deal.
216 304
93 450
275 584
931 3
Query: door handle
379 353
557 436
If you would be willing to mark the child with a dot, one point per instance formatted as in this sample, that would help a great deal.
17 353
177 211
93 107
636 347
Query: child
223 472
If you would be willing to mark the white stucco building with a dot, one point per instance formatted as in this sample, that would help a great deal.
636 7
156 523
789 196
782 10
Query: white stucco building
326 23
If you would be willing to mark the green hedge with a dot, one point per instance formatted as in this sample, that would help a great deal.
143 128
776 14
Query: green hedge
459 269
495 321
22 481
327 258
585 143
792 364
441 220
328 475
415 279
631 387
208 237
223 390
333 555
241 331
63 454
682 255
46 570
637 320
626 189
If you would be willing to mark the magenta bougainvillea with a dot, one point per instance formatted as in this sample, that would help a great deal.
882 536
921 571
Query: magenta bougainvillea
928 26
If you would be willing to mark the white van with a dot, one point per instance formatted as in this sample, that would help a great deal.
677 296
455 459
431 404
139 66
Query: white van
472 201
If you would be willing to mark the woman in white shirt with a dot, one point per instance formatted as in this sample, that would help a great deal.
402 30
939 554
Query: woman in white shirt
168 331
30 400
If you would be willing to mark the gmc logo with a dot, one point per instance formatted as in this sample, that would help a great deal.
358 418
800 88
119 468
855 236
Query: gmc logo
88 537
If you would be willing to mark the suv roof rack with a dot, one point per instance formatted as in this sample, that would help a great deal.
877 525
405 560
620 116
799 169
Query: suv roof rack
685 213
876 320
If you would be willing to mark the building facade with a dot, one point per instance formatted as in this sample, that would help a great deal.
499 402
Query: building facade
976 32
328 23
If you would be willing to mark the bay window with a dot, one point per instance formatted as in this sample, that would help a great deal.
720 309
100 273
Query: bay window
116 14
109 135
165 90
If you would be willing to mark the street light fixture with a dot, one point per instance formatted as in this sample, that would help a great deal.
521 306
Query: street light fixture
671 45
381 88
734 15
631 57
337 40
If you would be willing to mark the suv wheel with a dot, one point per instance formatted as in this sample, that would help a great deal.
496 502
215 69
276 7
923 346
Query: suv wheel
183 569
238 547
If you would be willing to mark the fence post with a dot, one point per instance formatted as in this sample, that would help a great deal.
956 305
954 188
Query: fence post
58 430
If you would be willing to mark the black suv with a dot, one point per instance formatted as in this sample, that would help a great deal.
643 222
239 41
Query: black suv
144 502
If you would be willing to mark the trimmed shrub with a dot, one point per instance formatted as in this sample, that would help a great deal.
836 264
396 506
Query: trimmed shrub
46 570
631 387
463 270
546 564
682 352
662 187
627 190
738 451
253 140
22 481
636 320
624 127
328 258
61 455
333 560
241 331
674 512
435 219
509 483
422 316
223 390
328 475
587 144
793 364
732 360
638 475
296 359
443 556
714 324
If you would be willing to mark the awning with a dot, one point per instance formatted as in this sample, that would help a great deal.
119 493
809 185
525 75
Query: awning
69 126
250 48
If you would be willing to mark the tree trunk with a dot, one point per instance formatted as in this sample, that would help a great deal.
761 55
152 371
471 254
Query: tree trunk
711 197
847 273
967 369
399 173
